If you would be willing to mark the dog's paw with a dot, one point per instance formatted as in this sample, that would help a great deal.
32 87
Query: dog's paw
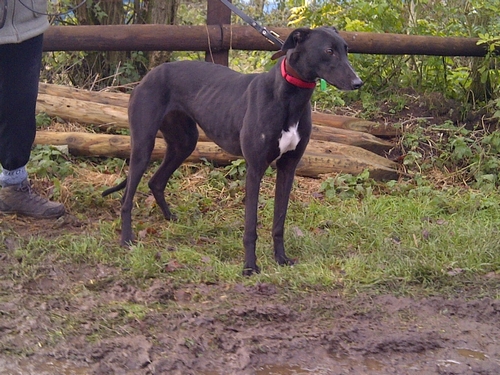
171 217
127 242
285 261
249 271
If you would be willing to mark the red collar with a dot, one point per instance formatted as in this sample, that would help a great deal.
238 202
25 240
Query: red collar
294 79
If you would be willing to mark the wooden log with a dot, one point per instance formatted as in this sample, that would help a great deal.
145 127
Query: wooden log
245 38
223 37
88 144
47 104
102 97
314 165
133 38
354 138
111 116
83 111
320 157
356 124
326 157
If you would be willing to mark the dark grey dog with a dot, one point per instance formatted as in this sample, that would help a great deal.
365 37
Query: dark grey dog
263 117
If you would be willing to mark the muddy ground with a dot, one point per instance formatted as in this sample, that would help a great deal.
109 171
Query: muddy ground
77 319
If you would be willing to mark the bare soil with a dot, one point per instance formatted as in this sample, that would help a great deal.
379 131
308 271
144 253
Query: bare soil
63 321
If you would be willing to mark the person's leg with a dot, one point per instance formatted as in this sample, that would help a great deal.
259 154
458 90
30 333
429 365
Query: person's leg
19 77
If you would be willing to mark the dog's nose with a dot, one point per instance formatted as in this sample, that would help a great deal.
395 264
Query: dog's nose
357 83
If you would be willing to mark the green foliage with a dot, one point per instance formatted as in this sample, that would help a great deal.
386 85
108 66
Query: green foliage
50 161
489 70
347 186
105 165
42 120
455 77
64 68
131 70
236 169
467 156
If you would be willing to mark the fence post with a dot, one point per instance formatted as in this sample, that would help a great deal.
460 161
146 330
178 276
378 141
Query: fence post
218 14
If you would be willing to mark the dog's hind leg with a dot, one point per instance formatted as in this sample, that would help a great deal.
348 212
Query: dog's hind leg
181 135
145 117
139 160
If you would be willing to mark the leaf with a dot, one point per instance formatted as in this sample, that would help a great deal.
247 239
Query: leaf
142 234
455 271
150 201
425 234
461 149
173 265
146 231
298 232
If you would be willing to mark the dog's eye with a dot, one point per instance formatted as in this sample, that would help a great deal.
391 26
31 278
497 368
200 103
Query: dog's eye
329 51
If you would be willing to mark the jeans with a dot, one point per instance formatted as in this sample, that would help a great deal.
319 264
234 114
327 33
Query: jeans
19 76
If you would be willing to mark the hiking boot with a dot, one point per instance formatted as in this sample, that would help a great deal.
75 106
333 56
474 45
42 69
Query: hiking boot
21 200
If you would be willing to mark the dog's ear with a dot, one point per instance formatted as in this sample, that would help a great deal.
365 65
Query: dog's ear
296 36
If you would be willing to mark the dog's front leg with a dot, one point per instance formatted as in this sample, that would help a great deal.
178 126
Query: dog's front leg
286 166
252 187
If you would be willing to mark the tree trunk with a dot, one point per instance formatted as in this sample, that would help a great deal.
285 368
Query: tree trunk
479 91
115 15
101 66
162 12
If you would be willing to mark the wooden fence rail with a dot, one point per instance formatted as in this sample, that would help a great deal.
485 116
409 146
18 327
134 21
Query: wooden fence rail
223 37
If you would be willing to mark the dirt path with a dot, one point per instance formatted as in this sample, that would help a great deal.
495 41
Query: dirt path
83 320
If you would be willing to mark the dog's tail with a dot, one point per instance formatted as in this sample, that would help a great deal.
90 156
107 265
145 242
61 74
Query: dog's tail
120 186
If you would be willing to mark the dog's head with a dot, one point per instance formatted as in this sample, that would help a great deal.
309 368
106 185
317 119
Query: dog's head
321 53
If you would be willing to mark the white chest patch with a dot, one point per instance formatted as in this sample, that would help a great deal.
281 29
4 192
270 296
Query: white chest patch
289 139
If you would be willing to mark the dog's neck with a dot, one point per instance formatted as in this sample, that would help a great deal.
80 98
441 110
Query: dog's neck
292 77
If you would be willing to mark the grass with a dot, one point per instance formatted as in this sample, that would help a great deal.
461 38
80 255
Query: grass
401 237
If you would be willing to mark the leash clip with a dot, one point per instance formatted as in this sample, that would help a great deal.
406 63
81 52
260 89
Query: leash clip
275 34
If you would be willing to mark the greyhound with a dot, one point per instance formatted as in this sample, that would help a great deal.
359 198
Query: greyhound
263 117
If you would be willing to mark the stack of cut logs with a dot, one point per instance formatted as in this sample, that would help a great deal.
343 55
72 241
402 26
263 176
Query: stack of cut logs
338 143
